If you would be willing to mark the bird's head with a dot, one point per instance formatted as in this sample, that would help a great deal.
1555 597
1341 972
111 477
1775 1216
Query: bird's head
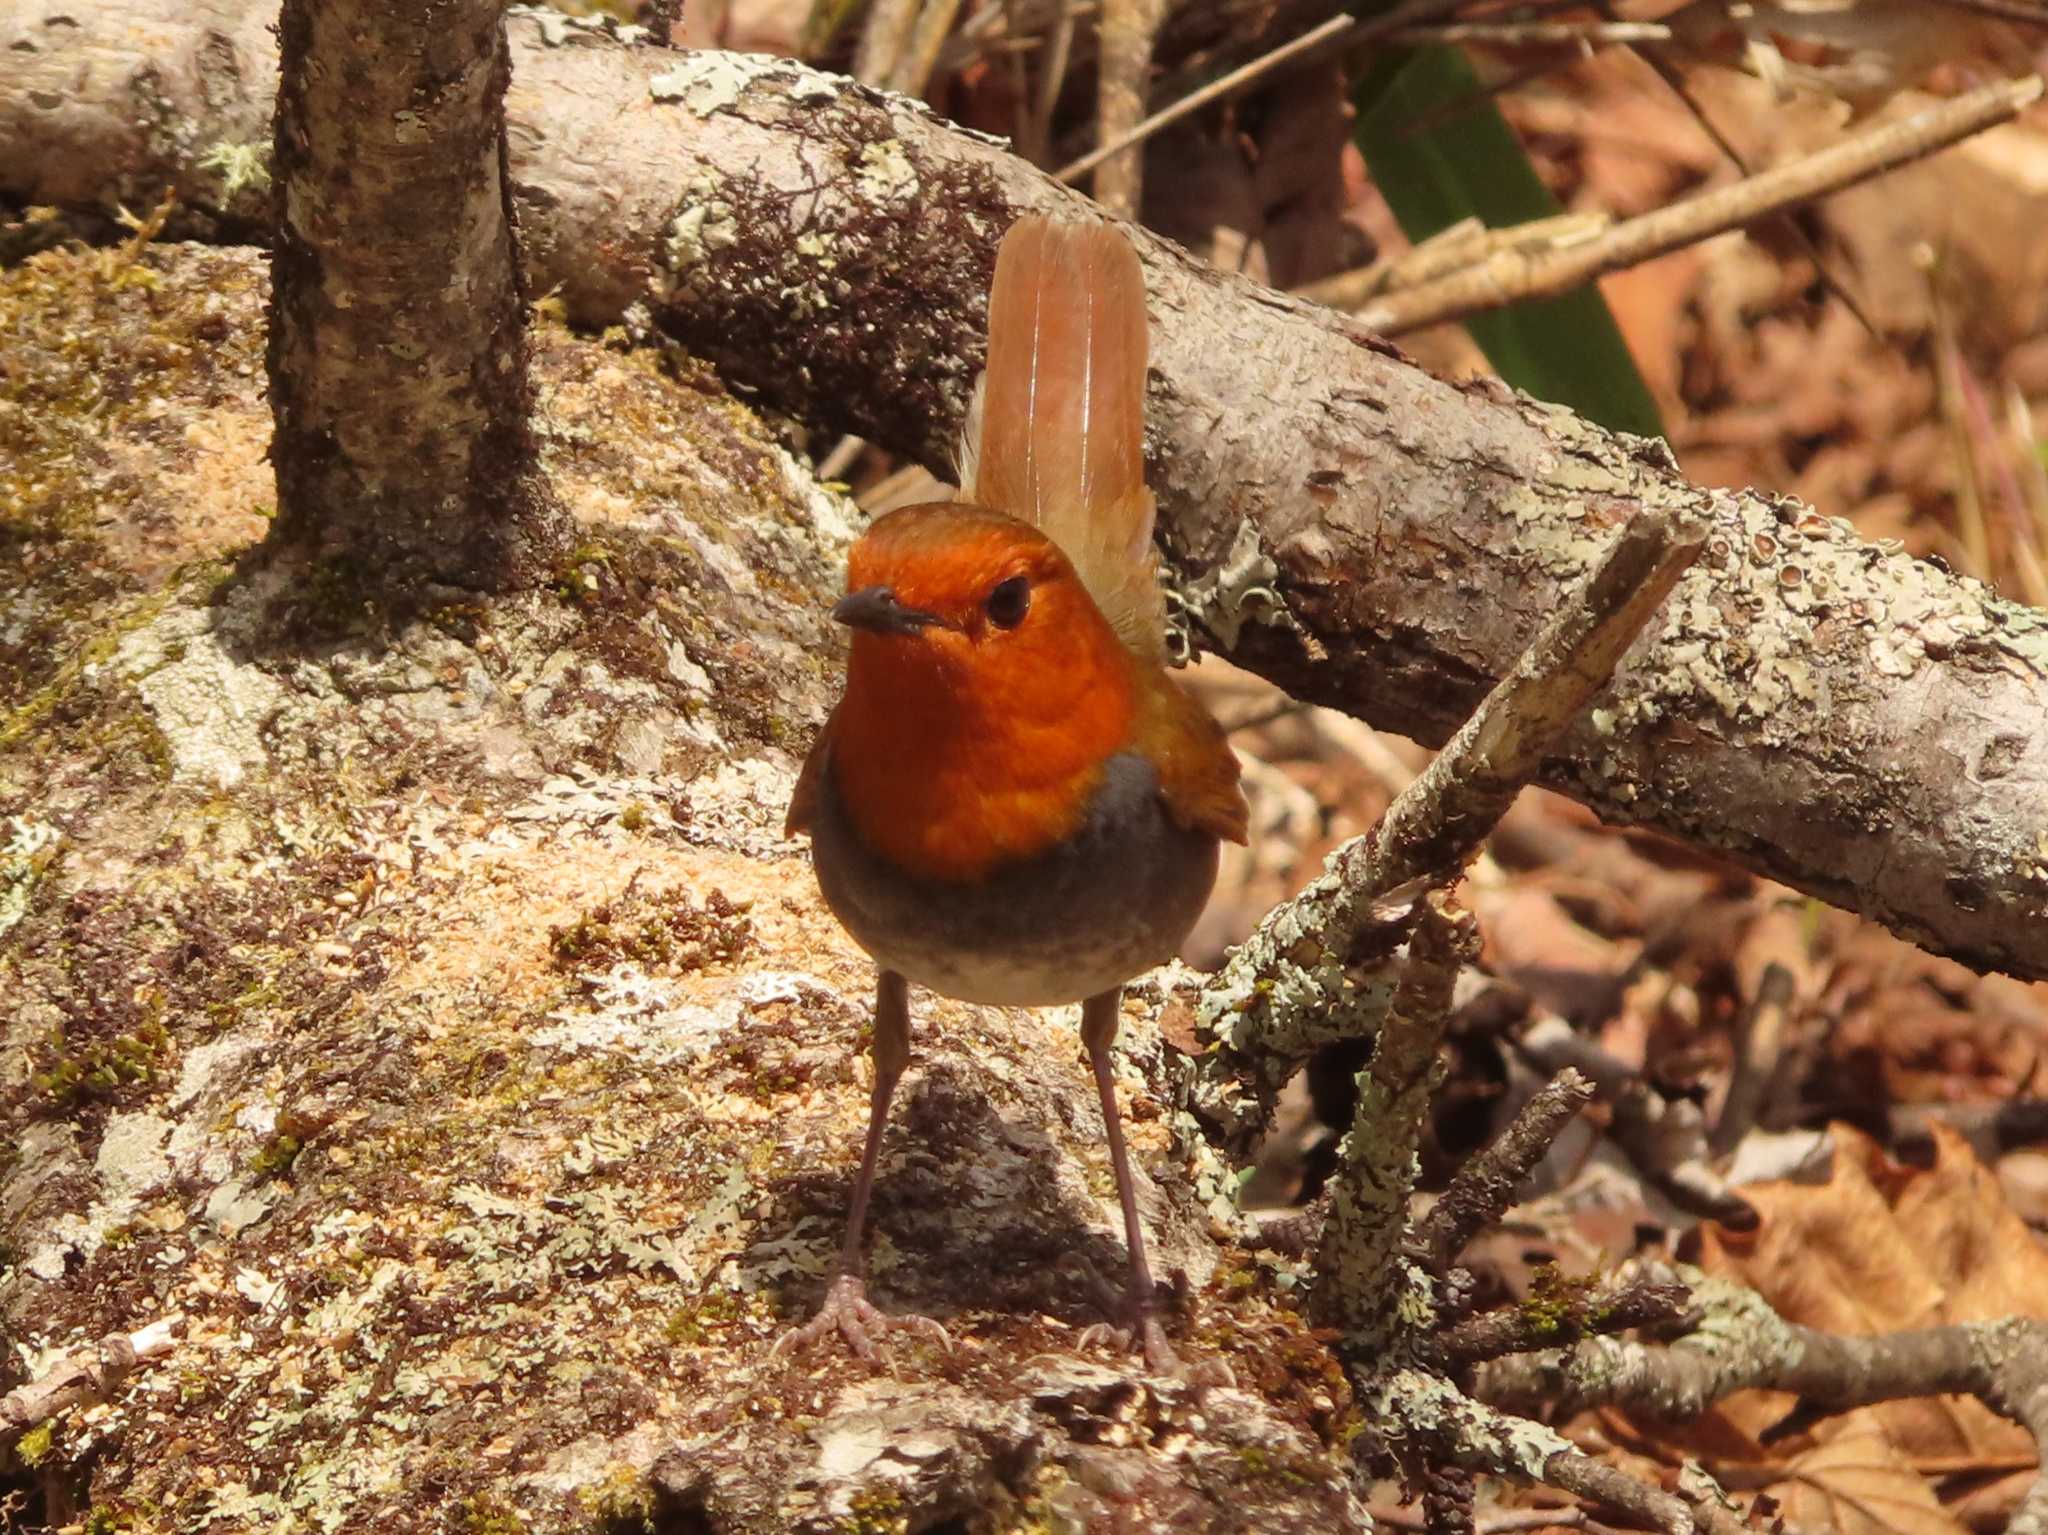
970 599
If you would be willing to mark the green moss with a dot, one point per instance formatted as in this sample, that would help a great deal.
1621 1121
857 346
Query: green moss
654 932
1263 1465
275 1158
874 1511
692 1324
95 346
65 1074
481 1513
576 577
1556 1304
118 1517
623 1501
34 1447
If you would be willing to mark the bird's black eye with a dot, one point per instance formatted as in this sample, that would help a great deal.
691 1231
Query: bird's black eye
1009 602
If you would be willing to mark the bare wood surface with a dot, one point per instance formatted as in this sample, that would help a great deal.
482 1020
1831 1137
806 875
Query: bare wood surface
1829 712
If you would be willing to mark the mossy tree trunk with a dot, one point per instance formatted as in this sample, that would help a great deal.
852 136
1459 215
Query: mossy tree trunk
398 357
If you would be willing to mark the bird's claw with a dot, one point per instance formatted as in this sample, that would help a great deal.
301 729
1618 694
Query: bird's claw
848 1312
1149 1338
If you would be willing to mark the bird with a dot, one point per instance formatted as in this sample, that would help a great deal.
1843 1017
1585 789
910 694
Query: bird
1014 802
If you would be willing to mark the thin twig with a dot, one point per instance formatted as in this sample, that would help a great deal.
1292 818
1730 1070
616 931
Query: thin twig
1453 807
1487 1184
1617 1306
1586 1477
1664 1138
1675 82
1510 275
1216 90
1502 1521
1759 1047
1535 34
833 465
1052 77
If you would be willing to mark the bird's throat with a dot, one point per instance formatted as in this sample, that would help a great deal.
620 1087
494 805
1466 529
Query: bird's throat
951 767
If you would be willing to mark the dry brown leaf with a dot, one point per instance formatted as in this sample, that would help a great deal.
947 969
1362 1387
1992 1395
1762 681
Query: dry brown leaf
1858 1484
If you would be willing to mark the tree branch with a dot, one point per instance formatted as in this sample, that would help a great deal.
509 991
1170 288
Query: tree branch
1825 711
1742 1344
83 1375
1355 1289
1486 1185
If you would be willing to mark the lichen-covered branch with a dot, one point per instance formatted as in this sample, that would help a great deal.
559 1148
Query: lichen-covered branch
1316 969
1740 1343
1416 1417
1356 1290
1867 727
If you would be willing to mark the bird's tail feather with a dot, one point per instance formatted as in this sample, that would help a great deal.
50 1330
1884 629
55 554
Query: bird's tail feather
1056 435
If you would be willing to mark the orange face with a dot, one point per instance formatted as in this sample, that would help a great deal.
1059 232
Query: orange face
983 694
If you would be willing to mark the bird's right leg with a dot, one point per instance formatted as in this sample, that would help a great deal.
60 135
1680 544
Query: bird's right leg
847 1309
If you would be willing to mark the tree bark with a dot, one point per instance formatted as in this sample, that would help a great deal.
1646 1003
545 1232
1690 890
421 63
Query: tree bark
1864 726
398 359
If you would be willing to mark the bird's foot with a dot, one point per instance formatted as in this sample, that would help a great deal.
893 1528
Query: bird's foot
1149 1338
848 1312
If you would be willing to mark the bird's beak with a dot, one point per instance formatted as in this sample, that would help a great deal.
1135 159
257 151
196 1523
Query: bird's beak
876 609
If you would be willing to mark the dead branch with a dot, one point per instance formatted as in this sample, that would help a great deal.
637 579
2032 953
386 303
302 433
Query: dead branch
1296 984
83 1375
1514 270
1700 1514
1823 710
1664 1137
1614 1307
1486 1185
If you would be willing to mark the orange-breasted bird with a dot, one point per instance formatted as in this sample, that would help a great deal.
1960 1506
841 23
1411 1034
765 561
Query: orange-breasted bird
1013 802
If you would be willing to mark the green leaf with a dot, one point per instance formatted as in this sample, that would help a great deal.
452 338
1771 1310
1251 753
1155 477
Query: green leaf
1439 151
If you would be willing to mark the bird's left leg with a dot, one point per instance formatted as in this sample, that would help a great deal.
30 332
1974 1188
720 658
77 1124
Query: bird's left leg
1098 1031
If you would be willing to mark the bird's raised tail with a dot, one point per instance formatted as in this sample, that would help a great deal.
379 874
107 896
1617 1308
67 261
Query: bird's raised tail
1056 436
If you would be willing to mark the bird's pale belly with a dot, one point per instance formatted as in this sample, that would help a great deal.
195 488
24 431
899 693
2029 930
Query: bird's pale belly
1115 899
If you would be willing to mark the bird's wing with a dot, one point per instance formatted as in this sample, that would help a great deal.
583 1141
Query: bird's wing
1198 772
1057 433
